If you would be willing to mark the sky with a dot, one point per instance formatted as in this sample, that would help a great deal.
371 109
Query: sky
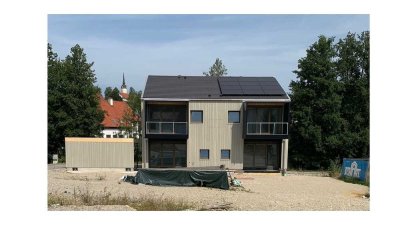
142 45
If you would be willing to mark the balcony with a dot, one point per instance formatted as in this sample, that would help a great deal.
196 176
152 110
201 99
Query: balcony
167 128
267 128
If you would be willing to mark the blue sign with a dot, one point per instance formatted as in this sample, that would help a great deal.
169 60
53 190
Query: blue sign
356 168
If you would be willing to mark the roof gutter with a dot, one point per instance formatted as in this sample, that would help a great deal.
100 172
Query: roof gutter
218 99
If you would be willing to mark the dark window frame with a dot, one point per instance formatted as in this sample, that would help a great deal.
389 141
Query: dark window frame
228 151
208 153
233 112
191 118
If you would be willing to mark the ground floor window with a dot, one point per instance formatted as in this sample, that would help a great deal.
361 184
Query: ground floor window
262 155
167 154
225 154
204 153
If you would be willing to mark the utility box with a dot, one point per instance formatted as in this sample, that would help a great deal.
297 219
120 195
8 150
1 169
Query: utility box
99 153
55 158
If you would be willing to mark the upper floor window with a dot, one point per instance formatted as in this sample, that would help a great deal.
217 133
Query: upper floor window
196 116
233 117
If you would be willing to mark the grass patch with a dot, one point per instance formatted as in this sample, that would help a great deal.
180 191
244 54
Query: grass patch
142 203
334 168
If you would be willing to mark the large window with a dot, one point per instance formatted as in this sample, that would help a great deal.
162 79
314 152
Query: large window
196 116
167 154
233 117
225 154
204 154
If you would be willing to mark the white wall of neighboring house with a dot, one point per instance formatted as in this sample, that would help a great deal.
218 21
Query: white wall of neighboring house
112 132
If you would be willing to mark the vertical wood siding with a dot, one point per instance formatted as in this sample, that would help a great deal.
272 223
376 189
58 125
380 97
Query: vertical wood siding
215 133
99 153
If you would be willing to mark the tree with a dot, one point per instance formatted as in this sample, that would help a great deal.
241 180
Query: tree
115 94
73 99
353 71
316 103
107 92
134 103
216 70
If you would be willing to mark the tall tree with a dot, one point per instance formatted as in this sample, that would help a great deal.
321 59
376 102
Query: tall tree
134 103
316 105
54 71
217 69
115 94
73 99
353 71
107 92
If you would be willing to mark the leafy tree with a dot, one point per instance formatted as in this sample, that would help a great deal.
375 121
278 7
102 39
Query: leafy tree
217 69
115 94
73 99
134 103
330 102
107 92
316 105
353 70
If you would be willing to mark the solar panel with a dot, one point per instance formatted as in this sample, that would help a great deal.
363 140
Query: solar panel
250 86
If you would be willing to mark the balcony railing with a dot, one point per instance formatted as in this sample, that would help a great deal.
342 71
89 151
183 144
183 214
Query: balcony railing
166 127
267 128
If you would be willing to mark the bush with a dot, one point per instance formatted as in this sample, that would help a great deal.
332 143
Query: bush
334 168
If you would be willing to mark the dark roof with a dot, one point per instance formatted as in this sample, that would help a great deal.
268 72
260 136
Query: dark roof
206 87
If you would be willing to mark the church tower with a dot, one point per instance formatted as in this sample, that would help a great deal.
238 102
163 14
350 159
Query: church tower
123 87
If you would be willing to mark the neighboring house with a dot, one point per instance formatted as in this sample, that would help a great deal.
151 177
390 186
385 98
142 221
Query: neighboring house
115 111
202 121
114 118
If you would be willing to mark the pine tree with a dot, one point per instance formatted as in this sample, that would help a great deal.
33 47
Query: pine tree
217 69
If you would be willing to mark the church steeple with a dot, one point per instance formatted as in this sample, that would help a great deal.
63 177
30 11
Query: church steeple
123 87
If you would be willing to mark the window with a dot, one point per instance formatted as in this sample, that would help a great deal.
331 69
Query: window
233 117
204 154
196 116
225 154
108 136
115 136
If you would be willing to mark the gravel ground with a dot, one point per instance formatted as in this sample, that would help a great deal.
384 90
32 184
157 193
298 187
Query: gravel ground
263 191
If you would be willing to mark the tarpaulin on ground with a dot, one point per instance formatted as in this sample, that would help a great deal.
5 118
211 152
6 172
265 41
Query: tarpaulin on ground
214 179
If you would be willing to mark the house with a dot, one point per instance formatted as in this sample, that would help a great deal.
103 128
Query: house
114 121
117 114
202 121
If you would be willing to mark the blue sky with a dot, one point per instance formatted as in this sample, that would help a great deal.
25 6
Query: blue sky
248 45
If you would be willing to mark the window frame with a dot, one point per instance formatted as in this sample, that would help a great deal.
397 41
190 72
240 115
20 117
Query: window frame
191 118
208 153
232 111
225 149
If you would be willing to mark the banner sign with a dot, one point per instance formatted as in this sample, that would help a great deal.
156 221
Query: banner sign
356 168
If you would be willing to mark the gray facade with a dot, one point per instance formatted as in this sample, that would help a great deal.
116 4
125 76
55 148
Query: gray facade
199 121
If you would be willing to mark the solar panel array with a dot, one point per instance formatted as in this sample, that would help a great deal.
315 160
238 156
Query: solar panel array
250 86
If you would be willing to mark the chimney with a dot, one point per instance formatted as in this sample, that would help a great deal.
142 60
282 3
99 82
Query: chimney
110 101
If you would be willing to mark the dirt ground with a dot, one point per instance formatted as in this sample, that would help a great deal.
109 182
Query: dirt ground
262 191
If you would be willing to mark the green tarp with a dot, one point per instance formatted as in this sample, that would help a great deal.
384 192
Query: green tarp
214 179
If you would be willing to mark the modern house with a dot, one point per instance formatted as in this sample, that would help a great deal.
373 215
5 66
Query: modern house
202 121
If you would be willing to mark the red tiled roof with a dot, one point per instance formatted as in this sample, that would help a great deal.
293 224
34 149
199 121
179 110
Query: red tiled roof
115 113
